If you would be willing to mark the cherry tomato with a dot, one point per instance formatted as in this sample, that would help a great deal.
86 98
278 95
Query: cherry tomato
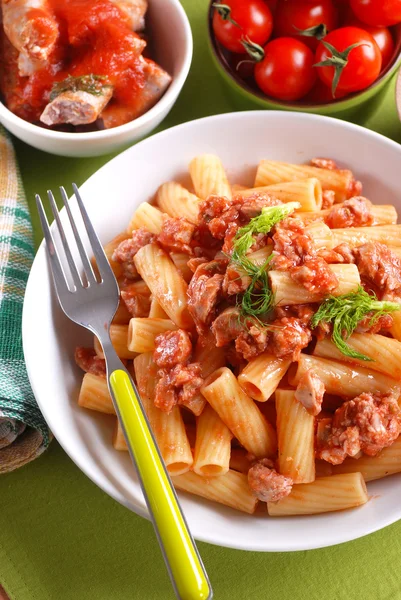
251 19
380 13
272 4
322 94
360 69
303 14
286 72
381 35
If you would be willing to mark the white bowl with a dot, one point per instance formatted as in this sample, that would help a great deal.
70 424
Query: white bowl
111 195
172 38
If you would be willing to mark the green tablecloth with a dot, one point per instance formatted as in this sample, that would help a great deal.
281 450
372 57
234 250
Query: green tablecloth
62 538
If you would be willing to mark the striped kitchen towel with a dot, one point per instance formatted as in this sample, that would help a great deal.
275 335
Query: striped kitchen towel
24 434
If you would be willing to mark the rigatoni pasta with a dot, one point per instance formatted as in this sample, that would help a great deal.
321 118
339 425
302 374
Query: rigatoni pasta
266 364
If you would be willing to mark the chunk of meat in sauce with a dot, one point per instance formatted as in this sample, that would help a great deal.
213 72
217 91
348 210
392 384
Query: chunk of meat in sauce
89 361
235 281
288 336
229 238
355 212
227 326
310 391
368 423
137 305
382 323
285 338
177 235
328 199
251 206
217 212
292 245
252 342
266 484
177 385
125 252
205 291
316 276
303 312
379 265
324 163
172 348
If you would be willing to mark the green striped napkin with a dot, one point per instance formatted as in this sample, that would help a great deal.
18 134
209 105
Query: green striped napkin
24 434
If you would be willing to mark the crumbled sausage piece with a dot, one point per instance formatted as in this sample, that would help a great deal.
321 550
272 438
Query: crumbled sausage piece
355 212
324 163
176 235
266 484
292 245
379 265
251 206
316 276
217 212
125 252
205 291
383 322
328 199
310 391
89 361
227 326
288 336
177 385
137 305
235 280
368 423
172 348
252 342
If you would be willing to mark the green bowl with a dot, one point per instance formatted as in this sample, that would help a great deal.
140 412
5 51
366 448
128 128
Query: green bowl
245 93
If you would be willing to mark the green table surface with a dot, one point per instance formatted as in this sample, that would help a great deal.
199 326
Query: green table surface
62 538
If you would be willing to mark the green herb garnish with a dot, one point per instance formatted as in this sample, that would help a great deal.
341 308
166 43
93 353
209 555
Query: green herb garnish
345 312
263 223
258 298
92 84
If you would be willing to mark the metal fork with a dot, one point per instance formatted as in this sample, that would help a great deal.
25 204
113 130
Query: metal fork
93 304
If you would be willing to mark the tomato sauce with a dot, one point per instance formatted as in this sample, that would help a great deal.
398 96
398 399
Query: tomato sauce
94 38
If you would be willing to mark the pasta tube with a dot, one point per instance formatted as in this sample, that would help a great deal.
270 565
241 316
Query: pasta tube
387 462
175 200
384 352
326 494
357 236
94 394
308 192
341 379
321 234
382 214
212 446
231 489
210 359
261 376
156 311
209 177
119 339
168 429
143 332
272 172
239 413
295 433
287 291
165 282
181 262
147 217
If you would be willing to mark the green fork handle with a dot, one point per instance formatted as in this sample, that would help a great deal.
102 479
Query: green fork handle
184 564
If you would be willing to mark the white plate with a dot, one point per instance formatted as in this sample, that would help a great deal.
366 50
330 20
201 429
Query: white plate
111 195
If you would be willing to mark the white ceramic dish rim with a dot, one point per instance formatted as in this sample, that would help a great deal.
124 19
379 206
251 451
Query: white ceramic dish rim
335 537
169 97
